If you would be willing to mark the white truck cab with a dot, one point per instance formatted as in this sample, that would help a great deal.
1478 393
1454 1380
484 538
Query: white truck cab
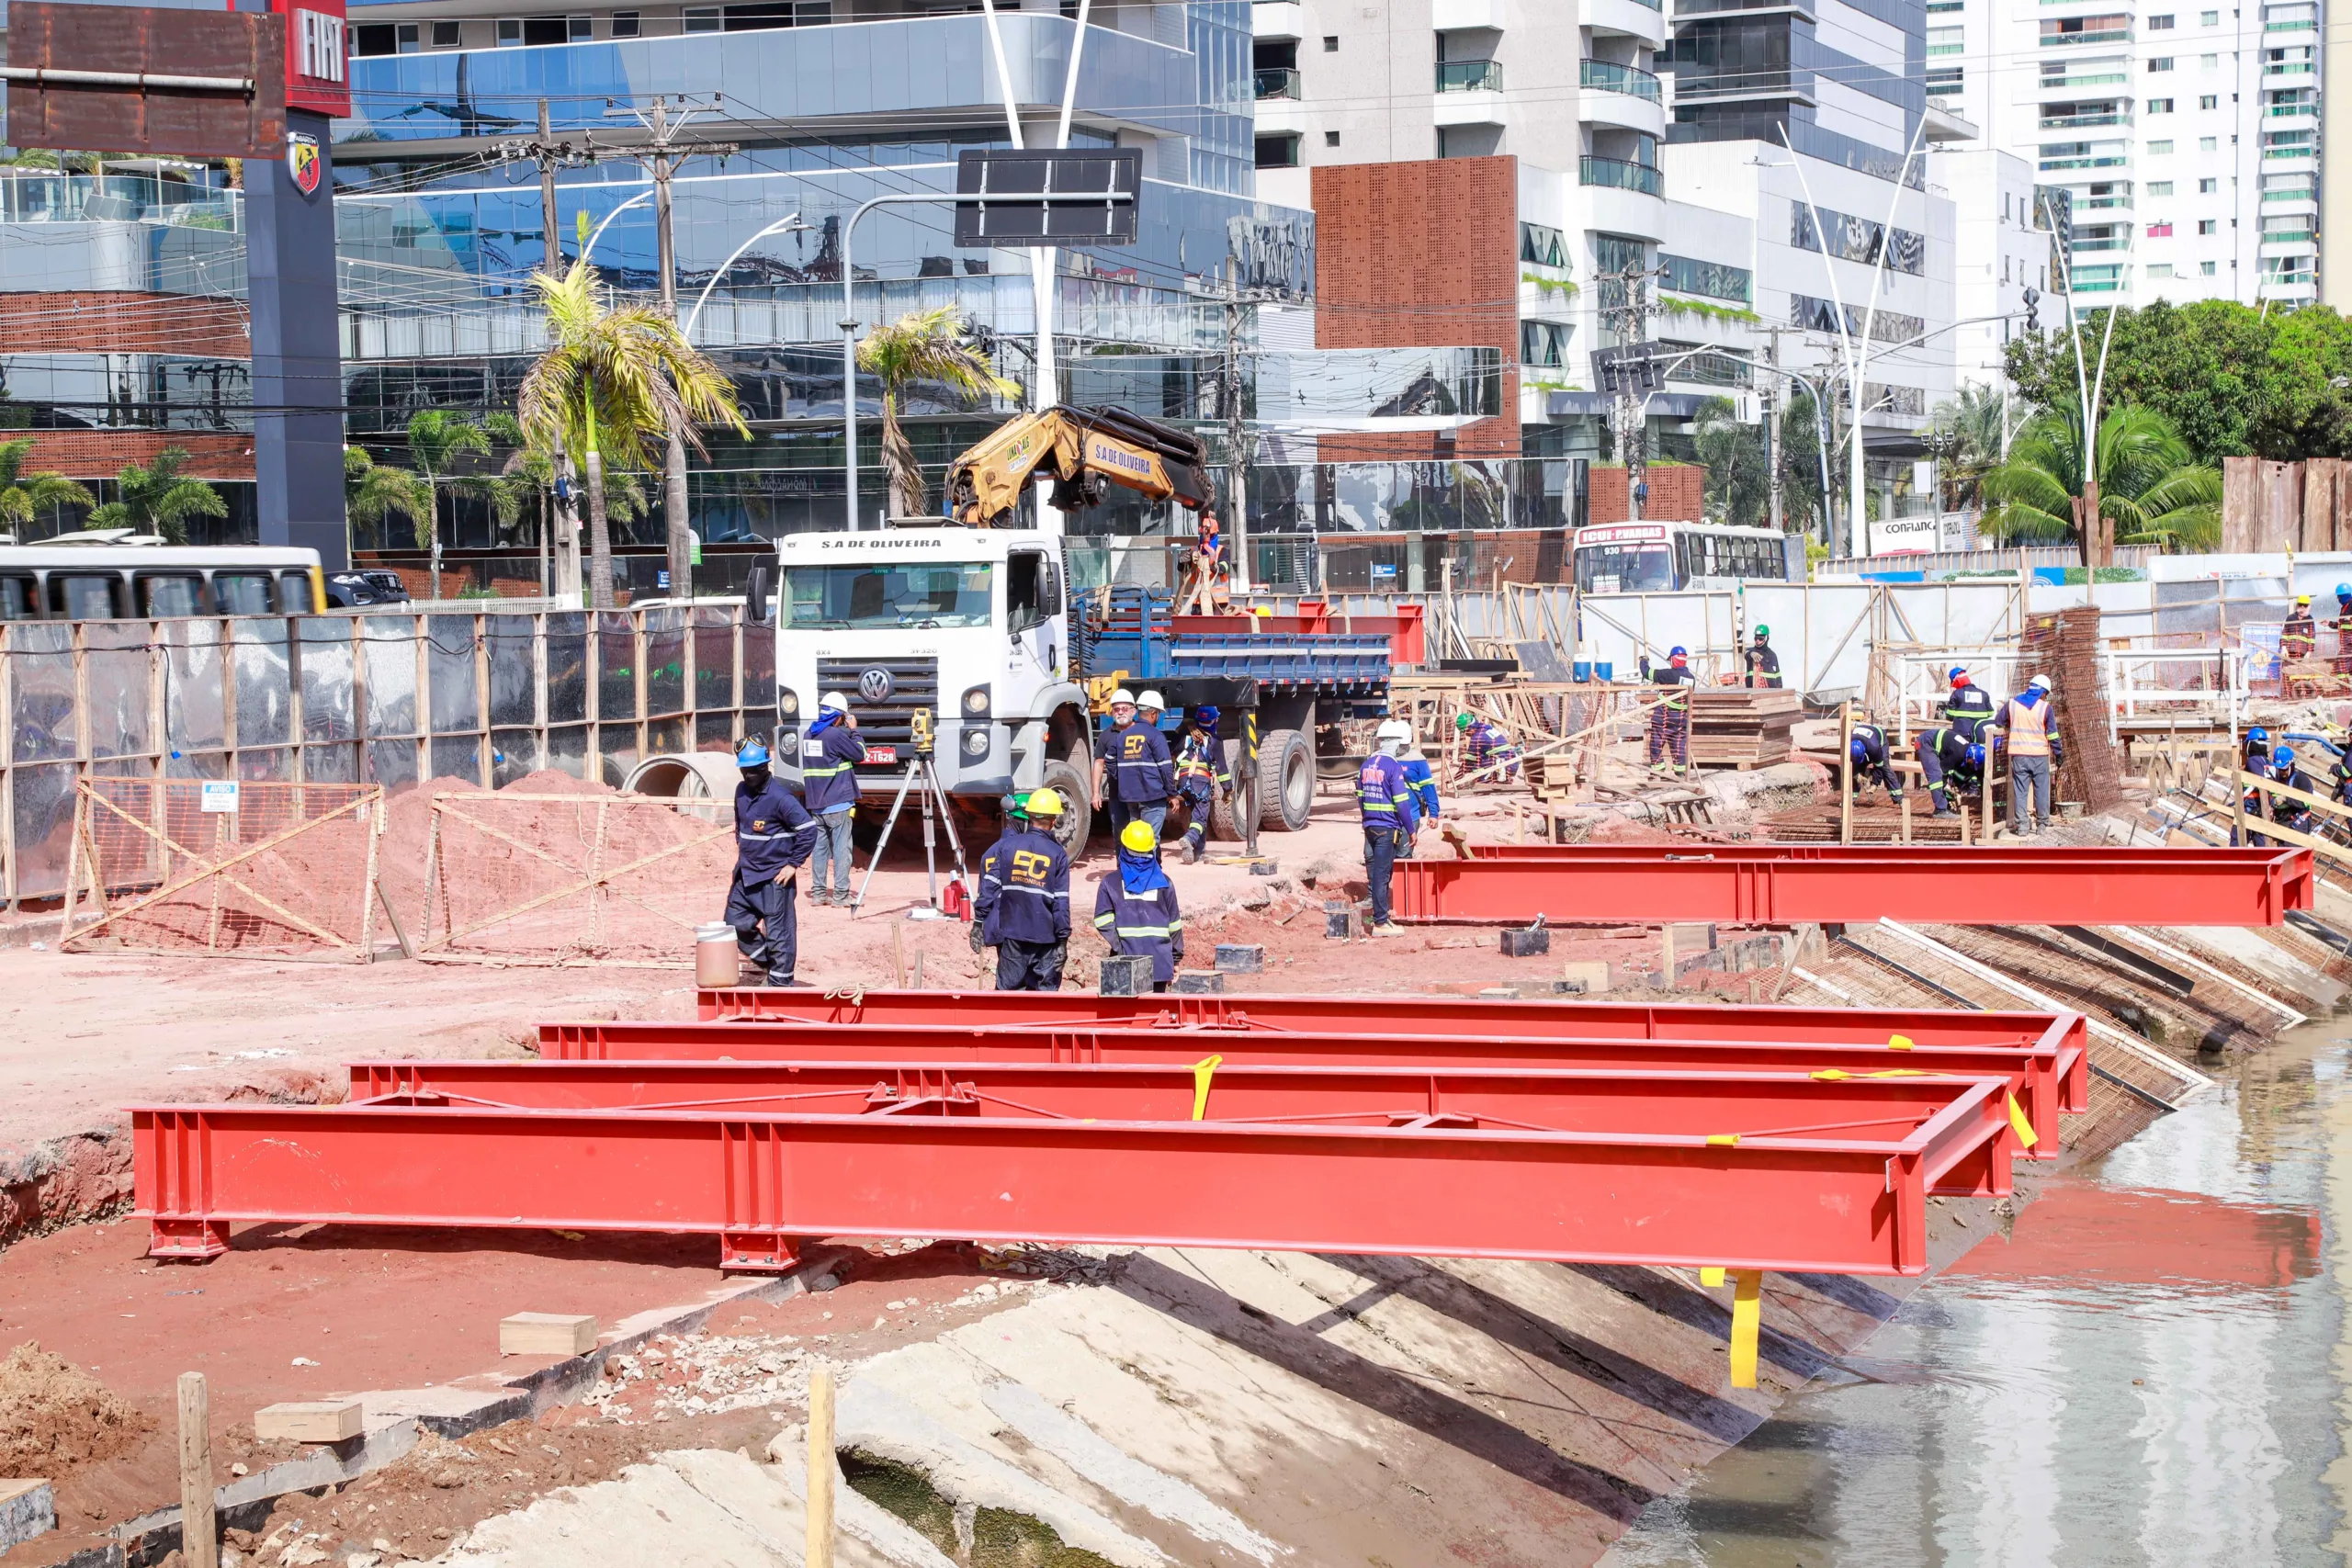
971 624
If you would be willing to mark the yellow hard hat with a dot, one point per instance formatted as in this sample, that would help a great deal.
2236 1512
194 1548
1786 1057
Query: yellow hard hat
1043 803
1137 836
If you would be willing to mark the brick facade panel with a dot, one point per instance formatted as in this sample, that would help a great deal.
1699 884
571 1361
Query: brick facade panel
102 453
1678 495
123 323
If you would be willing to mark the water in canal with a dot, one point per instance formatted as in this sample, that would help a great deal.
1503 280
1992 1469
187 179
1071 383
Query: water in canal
2153 1368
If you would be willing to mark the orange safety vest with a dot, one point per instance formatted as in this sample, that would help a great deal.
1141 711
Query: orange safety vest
2028 728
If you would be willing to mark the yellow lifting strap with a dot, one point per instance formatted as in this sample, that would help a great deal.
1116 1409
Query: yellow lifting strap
1839 1074
1722 1140
1203 1071
2026 1135
1746 1324
1712 1278
1899 1043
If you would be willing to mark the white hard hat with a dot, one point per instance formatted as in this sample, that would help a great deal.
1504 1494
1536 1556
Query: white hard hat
2039 683
1394 729
834 701
1123 696
1151 699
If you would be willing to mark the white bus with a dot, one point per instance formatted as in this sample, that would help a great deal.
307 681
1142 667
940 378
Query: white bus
109 579
1660 558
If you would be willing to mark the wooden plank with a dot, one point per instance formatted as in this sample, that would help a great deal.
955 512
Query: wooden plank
546 1333
309 1421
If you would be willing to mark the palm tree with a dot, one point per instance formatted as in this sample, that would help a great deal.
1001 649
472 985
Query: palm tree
2140 484
1733 454
373 490
158 499
23 494
923 345
437 439
615 381
1975 425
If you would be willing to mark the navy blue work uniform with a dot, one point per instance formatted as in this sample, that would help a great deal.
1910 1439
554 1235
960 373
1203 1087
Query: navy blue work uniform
1024 908
772 834
828 757
1943 757
1968 710
1200 779
1143 923
1392 815
1143 776
1875 765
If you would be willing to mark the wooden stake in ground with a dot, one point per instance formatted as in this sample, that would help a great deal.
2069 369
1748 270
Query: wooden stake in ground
821 1469
1846 772
898 955
199 1538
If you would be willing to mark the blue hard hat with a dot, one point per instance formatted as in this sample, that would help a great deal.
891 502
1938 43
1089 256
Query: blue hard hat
1860 747
2256 733
2284 757
2343 590
1976 753
1206 717
1677 651
752 753
1955 672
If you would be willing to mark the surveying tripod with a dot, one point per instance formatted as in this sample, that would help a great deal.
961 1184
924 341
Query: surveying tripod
922 776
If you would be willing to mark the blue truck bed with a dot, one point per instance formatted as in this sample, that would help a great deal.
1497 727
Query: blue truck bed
1133 632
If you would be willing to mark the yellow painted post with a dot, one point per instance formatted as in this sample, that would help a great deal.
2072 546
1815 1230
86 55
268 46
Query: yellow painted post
1746 1324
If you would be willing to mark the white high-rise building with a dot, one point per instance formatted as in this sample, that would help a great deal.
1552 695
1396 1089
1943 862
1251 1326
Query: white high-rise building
2186 134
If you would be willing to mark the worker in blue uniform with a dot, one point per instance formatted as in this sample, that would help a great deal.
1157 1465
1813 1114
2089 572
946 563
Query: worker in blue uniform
1873 762
1947 760
1022 910
773 837
2343 618
2255 753
1200 777
1969 707
1136 908
1422 780
829 752
1135 775
1391 817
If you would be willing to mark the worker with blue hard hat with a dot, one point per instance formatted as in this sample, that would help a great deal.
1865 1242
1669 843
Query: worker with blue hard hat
2256 750
2344 618
1873 762
773 834
1949 760
1669 735
1022 910
1201 778
1968 707
2282 768
1136 908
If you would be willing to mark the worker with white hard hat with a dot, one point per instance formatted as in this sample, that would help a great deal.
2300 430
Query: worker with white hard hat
2030 723
1392 815
830 749
1135 774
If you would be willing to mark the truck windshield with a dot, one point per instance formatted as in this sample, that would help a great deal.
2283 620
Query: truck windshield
906 594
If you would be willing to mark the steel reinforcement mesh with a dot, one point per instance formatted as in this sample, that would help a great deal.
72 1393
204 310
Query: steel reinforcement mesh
198 865
549 878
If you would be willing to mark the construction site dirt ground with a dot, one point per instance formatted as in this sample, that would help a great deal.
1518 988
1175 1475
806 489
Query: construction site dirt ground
1397 1412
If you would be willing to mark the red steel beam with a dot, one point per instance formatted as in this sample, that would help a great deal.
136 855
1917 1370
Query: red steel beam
1938 884
1469 1015
2048 1074
1814 1196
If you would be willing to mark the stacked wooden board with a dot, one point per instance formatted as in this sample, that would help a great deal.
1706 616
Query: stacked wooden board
1741 727
2065 647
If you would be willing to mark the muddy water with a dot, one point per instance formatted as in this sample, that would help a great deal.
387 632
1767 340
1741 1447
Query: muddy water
2154 1365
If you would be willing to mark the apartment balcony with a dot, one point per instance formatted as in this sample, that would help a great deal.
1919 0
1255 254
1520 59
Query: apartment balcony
1642 19
2068 122
2082 87
1276 20
1466 15
1620 96
1470 92
2300 289
2275 243
2289 203
2062 41
2288 114
1278 81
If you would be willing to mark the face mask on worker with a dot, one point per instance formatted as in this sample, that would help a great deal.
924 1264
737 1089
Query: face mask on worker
1678 661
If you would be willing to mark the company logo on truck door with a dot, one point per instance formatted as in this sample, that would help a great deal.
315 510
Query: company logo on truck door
874 684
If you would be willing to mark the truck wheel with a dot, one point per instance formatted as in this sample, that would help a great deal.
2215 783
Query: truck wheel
1225 822
1285 780
1062 776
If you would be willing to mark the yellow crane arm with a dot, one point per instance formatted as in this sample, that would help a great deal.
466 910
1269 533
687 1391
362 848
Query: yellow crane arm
1085 450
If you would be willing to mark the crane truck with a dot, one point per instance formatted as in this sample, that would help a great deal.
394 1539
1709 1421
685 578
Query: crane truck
963 633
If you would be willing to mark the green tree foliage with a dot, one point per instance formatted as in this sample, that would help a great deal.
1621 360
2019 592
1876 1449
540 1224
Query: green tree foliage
158 499
1977 421
2230 380
1738 486
923 345
23 494
2151 488
373 492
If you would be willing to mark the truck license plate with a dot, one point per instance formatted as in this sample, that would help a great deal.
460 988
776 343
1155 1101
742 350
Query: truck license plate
881 753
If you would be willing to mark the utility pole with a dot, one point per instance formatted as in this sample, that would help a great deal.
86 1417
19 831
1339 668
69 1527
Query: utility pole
1237 488
551 155
1629 321
663 149
1771 410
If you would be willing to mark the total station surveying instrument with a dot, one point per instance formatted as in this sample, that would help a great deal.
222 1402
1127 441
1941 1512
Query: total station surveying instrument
922 775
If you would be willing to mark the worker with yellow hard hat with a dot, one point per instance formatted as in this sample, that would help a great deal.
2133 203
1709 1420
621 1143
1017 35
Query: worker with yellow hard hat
1135 910
1022 910
2298 638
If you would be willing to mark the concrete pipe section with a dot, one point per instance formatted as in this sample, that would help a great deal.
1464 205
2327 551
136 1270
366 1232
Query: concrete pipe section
709 777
